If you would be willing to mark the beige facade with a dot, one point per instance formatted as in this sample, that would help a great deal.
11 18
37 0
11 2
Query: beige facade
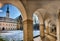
8 26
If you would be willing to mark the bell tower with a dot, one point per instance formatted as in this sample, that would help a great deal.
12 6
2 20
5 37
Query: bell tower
7 12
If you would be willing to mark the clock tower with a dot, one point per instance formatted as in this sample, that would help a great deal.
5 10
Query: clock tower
7 12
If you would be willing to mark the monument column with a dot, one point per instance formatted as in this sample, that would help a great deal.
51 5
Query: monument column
28 30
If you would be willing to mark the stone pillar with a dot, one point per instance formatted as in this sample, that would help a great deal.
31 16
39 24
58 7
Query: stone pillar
28 30
58 30
47 29
42 33
58 33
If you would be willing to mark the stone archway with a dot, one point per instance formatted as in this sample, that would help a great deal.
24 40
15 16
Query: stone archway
18 4
42 16
41 23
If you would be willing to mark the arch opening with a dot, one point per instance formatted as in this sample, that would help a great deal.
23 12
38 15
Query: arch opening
11 18
3 28
36 31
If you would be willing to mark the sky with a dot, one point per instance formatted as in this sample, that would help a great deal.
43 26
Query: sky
14 12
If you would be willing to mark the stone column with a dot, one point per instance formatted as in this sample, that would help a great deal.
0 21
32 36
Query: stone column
58 33
28 30
42 33
47 29
58 26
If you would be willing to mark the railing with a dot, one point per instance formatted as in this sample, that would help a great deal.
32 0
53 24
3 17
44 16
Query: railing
36 36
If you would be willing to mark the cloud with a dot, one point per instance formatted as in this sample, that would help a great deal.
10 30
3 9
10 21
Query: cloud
1 11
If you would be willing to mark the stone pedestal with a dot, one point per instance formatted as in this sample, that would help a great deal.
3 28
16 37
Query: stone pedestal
42 33
28 30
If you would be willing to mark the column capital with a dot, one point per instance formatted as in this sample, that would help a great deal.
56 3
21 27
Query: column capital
41 24
27 21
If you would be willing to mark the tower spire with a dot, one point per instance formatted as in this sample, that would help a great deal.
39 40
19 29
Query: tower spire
7 12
